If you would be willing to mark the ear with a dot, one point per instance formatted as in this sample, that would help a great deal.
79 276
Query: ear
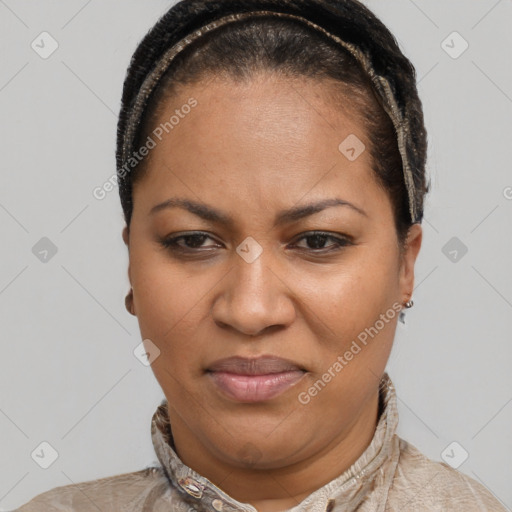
129 297
408 259
126 235
128 302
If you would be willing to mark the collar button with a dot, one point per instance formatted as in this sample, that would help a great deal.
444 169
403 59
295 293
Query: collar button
217 505
192 487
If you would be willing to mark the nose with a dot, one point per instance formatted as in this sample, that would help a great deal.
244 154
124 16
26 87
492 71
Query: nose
254 297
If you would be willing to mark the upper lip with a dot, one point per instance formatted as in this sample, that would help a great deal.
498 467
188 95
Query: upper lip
261 365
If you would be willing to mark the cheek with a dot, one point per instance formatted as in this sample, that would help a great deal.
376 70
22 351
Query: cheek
347 306
168 306
352 296
167 299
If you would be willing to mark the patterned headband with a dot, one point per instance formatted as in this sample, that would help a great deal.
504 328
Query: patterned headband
380 83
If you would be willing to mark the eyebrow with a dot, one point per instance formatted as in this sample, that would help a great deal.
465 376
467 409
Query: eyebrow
283 217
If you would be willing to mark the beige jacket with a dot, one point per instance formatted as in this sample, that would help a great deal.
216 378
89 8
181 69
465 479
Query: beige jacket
391 475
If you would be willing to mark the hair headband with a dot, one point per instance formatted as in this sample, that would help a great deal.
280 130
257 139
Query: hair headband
381 85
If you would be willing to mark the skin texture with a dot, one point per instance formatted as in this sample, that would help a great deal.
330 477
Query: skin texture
251 150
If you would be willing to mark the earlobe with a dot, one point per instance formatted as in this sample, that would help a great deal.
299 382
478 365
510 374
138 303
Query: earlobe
125 235
128 302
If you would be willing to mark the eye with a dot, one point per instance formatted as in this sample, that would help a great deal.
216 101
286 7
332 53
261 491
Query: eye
191 242
194 243
315 242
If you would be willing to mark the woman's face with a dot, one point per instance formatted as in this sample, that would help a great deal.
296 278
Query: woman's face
255 280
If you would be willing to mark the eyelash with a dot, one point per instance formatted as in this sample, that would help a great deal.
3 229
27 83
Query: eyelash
171 243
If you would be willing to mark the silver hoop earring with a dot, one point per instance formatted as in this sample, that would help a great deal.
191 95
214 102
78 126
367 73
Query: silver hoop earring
409 304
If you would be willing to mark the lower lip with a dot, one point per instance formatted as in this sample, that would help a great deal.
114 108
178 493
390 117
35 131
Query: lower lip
255 388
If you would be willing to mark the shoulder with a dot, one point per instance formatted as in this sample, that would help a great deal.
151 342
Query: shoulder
422 484
120 493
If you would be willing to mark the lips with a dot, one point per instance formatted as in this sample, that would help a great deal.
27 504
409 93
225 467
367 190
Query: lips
262 365
254 379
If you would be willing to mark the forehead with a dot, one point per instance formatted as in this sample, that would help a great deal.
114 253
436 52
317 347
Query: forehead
265 139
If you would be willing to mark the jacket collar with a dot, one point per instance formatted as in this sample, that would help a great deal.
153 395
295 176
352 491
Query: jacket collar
372 472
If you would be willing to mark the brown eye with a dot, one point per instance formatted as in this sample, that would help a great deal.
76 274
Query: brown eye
315 241
191 242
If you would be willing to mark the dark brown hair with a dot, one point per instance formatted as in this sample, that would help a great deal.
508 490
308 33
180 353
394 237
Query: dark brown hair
288 47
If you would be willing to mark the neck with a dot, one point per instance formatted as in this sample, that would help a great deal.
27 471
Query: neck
278 488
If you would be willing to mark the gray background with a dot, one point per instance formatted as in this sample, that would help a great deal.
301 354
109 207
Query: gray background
68 375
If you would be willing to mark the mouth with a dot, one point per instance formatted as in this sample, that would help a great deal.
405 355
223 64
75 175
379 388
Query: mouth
254 379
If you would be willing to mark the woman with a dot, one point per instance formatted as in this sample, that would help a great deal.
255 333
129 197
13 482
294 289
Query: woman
271 164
